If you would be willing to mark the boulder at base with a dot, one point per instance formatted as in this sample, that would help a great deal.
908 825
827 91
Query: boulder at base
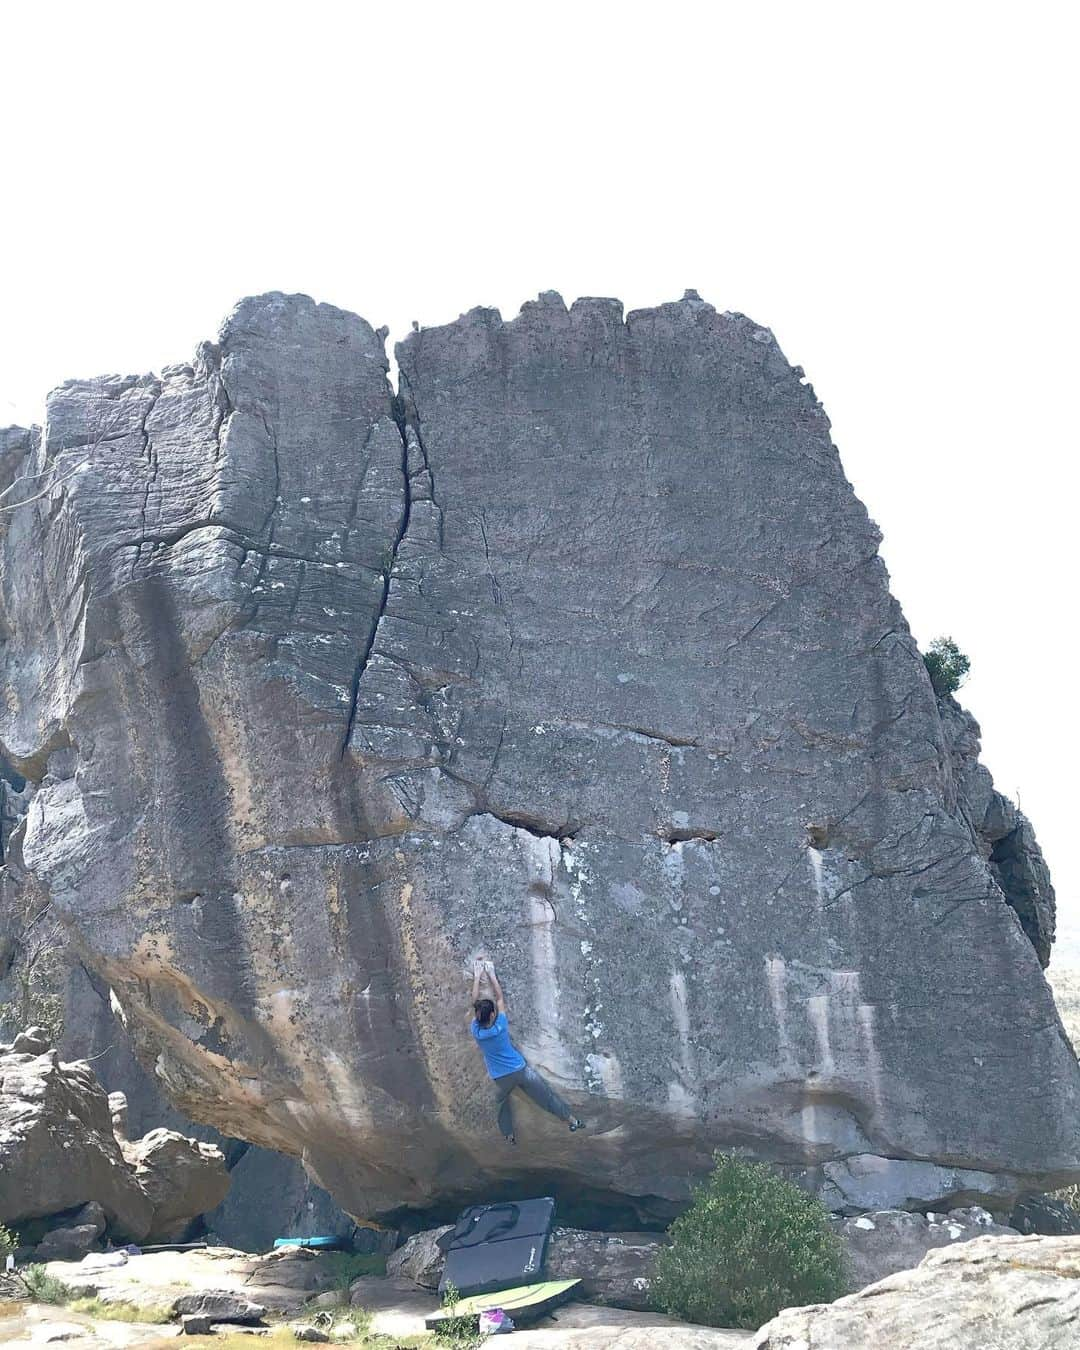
1009 1293
220 1305
420 1259
890 1240
614 1268
57 1149
182 1177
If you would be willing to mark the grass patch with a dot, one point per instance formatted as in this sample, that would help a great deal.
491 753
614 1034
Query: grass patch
120 1311
11 1309
344 1267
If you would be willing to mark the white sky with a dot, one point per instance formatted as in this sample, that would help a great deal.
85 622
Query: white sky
890 188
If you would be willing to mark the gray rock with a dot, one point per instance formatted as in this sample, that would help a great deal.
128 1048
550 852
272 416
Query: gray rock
1003 833
1045 1215
886 1241
184 1179
67 1244
32 1041
118 1111
1011 1293
92 1213
196 1324
292 1268
219 1305
333 1298
587 657
57 1149
309 1333
866 1182
419 1259
615 1268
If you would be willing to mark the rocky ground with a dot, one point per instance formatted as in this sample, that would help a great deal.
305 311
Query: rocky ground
996 1293
297 1289
1002 1291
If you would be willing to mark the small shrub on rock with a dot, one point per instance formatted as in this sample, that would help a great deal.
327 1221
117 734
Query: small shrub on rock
458 1331
45 1288
751 1244
947 665
9 1241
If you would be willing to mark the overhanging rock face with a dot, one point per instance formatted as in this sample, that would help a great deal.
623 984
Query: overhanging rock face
579 652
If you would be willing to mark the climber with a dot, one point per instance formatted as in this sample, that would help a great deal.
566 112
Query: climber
505 1063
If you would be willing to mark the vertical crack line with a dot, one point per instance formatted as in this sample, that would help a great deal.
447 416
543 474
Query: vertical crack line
402 418
150 456
387 573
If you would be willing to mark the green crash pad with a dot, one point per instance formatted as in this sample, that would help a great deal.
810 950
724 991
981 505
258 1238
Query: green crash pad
525 1303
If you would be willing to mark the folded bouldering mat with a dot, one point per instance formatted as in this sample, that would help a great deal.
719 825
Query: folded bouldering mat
319 1243
498 1246
527 1303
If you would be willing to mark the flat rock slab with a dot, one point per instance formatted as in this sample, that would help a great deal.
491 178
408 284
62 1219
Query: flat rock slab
582 1326
398 1308
39 1324
279 1283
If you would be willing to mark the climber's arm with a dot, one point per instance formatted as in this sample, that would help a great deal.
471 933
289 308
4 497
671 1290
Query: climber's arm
477 971
500 1001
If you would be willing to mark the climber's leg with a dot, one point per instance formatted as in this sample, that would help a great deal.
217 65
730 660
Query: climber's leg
503 1088
545 1096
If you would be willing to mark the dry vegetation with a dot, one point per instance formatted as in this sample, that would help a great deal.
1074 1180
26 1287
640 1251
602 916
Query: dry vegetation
1065 982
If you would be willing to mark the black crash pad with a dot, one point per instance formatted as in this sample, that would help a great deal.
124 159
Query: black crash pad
497 1246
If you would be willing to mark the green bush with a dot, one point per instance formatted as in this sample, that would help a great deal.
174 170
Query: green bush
947 664
45 1288
8 1241
750 1244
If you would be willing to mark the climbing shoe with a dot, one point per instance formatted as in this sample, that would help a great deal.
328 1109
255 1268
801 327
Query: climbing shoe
576 1124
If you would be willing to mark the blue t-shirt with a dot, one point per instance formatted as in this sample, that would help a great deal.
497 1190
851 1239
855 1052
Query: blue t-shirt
500 1056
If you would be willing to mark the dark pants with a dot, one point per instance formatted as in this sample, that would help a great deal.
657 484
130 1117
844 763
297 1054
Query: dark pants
530 1082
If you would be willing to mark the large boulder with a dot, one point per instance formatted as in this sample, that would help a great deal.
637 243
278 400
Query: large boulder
579 649
184 1178
1009 1293
57 1149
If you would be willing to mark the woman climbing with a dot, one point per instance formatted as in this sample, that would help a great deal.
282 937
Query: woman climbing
505 1063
